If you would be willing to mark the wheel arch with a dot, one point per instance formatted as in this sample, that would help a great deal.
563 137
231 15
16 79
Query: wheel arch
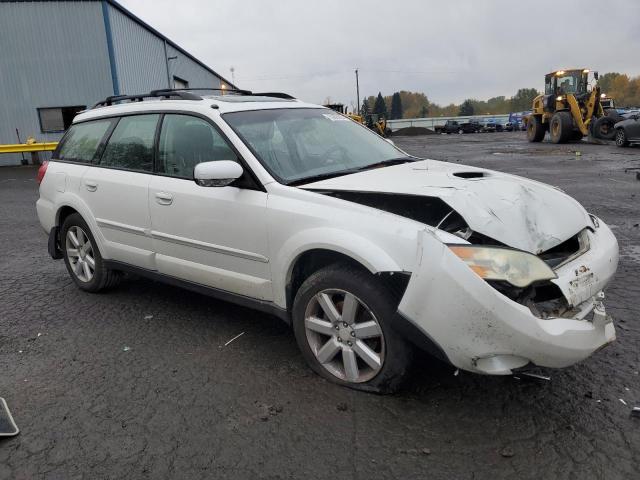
71 204
300 257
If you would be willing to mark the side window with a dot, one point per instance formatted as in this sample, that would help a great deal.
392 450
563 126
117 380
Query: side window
131 144
82 141
186 141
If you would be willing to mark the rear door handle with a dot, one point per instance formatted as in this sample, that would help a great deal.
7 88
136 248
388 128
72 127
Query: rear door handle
91 185
164 198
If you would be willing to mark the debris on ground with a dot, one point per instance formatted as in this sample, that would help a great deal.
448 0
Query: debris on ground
148 317
426 451
342 407
234 339
622 401
537 376
413 131
507 452
455 374
126 349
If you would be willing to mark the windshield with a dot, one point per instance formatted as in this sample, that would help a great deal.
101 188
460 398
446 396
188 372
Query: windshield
304 143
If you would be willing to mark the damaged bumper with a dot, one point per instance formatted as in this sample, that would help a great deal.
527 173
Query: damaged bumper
481 330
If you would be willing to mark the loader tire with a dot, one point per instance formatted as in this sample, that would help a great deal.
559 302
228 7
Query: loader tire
603 128
535 129
561 127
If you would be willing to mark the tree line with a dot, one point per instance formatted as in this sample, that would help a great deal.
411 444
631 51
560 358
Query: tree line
404 104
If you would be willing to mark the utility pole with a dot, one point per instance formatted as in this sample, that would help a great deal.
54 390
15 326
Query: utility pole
357 91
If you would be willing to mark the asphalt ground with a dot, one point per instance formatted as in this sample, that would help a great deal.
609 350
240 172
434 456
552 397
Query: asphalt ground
138 382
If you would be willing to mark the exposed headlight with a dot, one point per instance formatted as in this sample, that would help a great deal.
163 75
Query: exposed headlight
494 263
560 98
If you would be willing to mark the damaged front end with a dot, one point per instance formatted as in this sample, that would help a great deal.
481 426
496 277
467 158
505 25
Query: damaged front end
491 319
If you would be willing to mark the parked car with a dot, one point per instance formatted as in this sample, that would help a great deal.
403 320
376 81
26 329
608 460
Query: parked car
298 211
510 127
490 125
628 131
453 126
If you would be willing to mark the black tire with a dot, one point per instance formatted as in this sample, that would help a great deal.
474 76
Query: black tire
561 127
621 138
103 277
370 290
535 129
603 128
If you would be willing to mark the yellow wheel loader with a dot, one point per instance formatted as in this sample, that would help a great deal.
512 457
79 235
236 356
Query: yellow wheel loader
375 122
570 108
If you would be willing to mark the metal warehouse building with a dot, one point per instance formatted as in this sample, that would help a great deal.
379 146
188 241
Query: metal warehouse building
58 57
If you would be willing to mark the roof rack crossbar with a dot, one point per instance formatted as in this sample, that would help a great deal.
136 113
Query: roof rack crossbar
282 95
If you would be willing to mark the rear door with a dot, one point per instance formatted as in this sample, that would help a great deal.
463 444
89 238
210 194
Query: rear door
633 129
116 190
214 236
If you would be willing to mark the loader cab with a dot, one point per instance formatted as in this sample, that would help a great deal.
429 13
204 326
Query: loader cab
563 82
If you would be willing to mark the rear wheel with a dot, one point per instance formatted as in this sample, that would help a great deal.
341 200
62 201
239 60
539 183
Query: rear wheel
535 129
603 128
621 138
82 257
342 322
561 127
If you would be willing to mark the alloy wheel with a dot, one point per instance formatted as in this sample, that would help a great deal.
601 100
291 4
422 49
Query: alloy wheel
344 335
80 254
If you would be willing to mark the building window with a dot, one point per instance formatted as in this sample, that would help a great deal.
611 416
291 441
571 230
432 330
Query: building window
57 119
179 82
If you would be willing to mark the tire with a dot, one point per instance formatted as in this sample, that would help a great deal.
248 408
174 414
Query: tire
561 127
86 277
621 138
603 128
320 335
535 129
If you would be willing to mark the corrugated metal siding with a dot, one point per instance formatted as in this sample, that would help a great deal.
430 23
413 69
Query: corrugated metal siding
52 54
139 55
186 69
141 62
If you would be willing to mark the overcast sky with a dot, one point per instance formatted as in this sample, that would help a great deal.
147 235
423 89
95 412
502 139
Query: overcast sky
448 49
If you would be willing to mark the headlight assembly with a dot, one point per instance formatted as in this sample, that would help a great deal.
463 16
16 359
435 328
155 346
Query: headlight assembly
518 268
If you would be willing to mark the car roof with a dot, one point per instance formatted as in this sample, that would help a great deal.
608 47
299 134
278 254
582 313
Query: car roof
221 103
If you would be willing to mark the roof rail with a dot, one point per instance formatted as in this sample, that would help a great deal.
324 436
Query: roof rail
284 96
183 94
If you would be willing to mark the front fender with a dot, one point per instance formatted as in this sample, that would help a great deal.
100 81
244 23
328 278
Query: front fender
364 251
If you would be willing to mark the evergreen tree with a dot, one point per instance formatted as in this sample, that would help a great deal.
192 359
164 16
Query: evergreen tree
380 107
396 106
466 109
364 109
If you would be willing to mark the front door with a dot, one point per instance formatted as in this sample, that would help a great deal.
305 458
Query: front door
213 236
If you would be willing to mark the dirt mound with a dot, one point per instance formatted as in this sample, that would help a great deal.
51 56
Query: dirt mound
413 131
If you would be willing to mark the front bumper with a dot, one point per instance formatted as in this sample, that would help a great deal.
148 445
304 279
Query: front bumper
481 330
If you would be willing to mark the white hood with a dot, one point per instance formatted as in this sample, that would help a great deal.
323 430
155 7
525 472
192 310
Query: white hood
518 212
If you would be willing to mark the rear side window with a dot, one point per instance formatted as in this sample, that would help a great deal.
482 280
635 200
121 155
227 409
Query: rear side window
186 141
131 144
82 141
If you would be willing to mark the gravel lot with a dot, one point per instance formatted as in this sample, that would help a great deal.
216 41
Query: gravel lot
137 383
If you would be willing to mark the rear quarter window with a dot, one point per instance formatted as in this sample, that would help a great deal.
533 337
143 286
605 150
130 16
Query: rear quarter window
82 141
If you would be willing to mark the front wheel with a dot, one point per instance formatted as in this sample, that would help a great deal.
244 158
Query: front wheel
535 129
603 128
342 322
621 138
561 127
82 257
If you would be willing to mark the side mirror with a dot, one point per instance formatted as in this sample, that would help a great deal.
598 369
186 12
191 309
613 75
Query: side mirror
595 75
217 174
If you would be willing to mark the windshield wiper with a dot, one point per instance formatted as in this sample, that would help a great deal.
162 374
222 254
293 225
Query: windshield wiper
322 176
387 163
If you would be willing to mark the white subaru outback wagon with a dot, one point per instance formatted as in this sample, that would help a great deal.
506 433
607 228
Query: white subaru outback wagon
301 212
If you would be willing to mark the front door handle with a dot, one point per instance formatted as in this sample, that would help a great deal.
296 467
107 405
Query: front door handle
91 185
164 198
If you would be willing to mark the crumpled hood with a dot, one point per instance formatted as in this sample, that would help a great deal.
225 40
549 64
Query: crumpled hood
518 212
